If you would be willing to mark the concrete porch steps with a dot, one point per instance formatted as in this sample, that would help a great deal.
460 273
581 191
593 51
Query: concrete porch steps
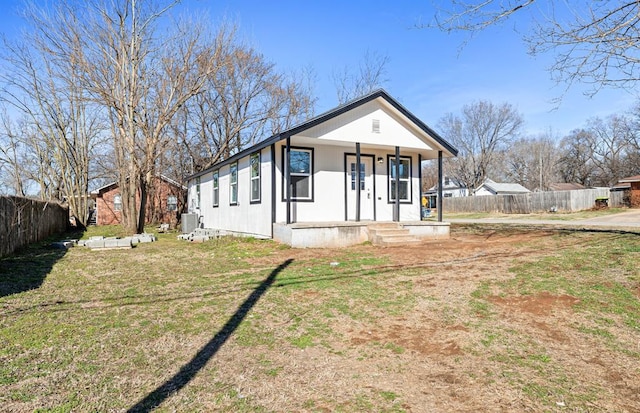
391 234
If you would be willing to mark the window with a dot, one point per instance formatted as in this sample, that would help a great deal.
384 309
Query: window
301 175
404 175
172 203
117 202
254 161
197 193
353 176
216 188
233 184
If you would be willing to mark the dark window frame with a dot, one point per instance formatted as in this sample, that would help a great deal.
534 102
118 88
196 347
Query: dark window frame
390 161
232 183
253 178
311 173
215 188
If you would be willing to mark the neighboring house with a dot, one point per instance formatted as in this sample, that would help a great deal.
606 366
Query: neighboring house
341 169
565 186
489 187
451 188
632 184
164 205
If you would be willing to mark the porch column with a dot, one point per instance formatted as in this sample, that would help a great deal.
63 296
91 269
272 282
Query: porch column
357 181
287 168
439 206
420 185
396 206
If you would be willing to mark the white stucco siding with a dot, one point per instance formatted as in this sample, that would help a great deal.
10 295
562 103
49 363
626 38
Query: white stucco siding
327 186
357 126
329 182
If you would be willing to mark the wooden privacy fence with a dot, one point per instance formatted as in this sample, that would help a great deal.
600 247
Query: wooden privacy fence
24 221
561 201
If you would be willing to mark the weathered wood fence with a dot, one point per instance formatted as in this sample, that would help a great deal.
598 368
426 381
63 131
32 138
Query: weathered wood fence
565 201
24 221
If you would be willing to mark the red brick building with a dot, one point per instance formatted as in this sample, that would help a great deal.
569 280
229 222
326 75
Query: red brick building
634 187
164 205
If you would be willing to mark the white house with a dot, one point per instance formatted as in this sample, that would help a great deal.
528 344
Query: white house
490 187
255 193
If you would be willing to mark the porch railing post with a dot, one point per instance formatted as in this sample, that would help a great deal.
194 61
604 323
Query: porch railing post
287 168
439 186
357 181
396 206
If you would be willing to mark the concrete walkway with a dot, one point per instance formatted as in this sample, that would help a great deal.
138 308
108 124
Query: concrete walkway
625 221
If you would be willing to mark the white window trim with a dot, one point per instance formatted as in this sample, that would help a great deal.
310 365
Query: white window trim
115 207
172 204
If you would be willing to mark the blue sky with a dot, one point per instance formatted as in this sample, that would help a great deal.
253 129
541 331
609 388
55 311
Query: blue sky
428 71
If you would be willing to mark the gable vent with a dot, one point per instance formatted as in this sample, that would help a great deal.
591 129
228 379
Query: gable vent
375 125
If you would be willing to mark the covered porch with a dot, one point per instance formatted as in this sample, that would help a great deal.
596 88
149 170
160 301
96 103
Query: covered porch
342 234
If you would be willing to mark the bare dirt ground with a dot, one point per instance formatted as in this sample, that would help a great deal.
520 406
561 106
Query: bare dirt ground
526 353
490 320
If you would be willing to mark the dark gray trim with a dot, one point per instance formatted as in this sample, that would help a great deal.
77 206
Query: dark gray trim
217 171
236 203
327 116
346 187
420 186
389 200
311 175
358 181
273 187
439 200
287 178
347 181
259 200
396 206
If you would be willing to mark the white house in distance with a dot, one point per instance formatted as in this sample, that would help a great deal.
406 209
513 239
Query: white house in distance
342 178
490 187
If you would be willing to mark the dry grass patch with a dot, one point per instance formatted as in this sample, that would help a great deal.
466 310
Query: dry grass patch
488 320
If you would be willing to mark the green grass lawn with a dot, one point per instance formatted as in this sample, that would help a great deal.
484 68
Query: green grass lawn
250 325
559 216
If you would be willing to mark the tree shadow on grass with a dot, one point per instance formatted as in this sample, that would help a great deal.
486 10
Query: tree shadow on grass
189 370
27 269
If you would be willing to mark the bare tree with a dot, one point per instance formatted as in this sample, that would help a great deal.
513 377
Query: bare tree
370 75
609 144
593 42
244 101
429 175
58 125
141 79
532 162
575 163
480 133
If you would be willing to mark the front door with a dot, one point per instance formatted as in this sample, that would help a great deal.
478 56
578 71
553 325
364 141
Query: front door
366 187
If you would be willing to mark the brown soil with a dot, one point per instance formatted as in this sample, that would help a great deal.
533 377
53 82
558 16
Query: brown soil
433 358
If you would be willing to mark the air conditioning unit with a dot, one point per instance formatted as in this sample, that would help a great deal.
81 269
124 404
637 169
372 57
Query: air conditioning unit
189 222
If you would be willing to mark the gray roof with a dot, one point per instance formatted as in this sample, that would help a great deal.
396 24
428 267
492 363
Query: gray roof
504 188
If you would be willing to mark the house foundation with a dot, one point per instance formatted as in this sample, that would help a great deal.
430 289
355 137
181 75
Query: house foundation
344 234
